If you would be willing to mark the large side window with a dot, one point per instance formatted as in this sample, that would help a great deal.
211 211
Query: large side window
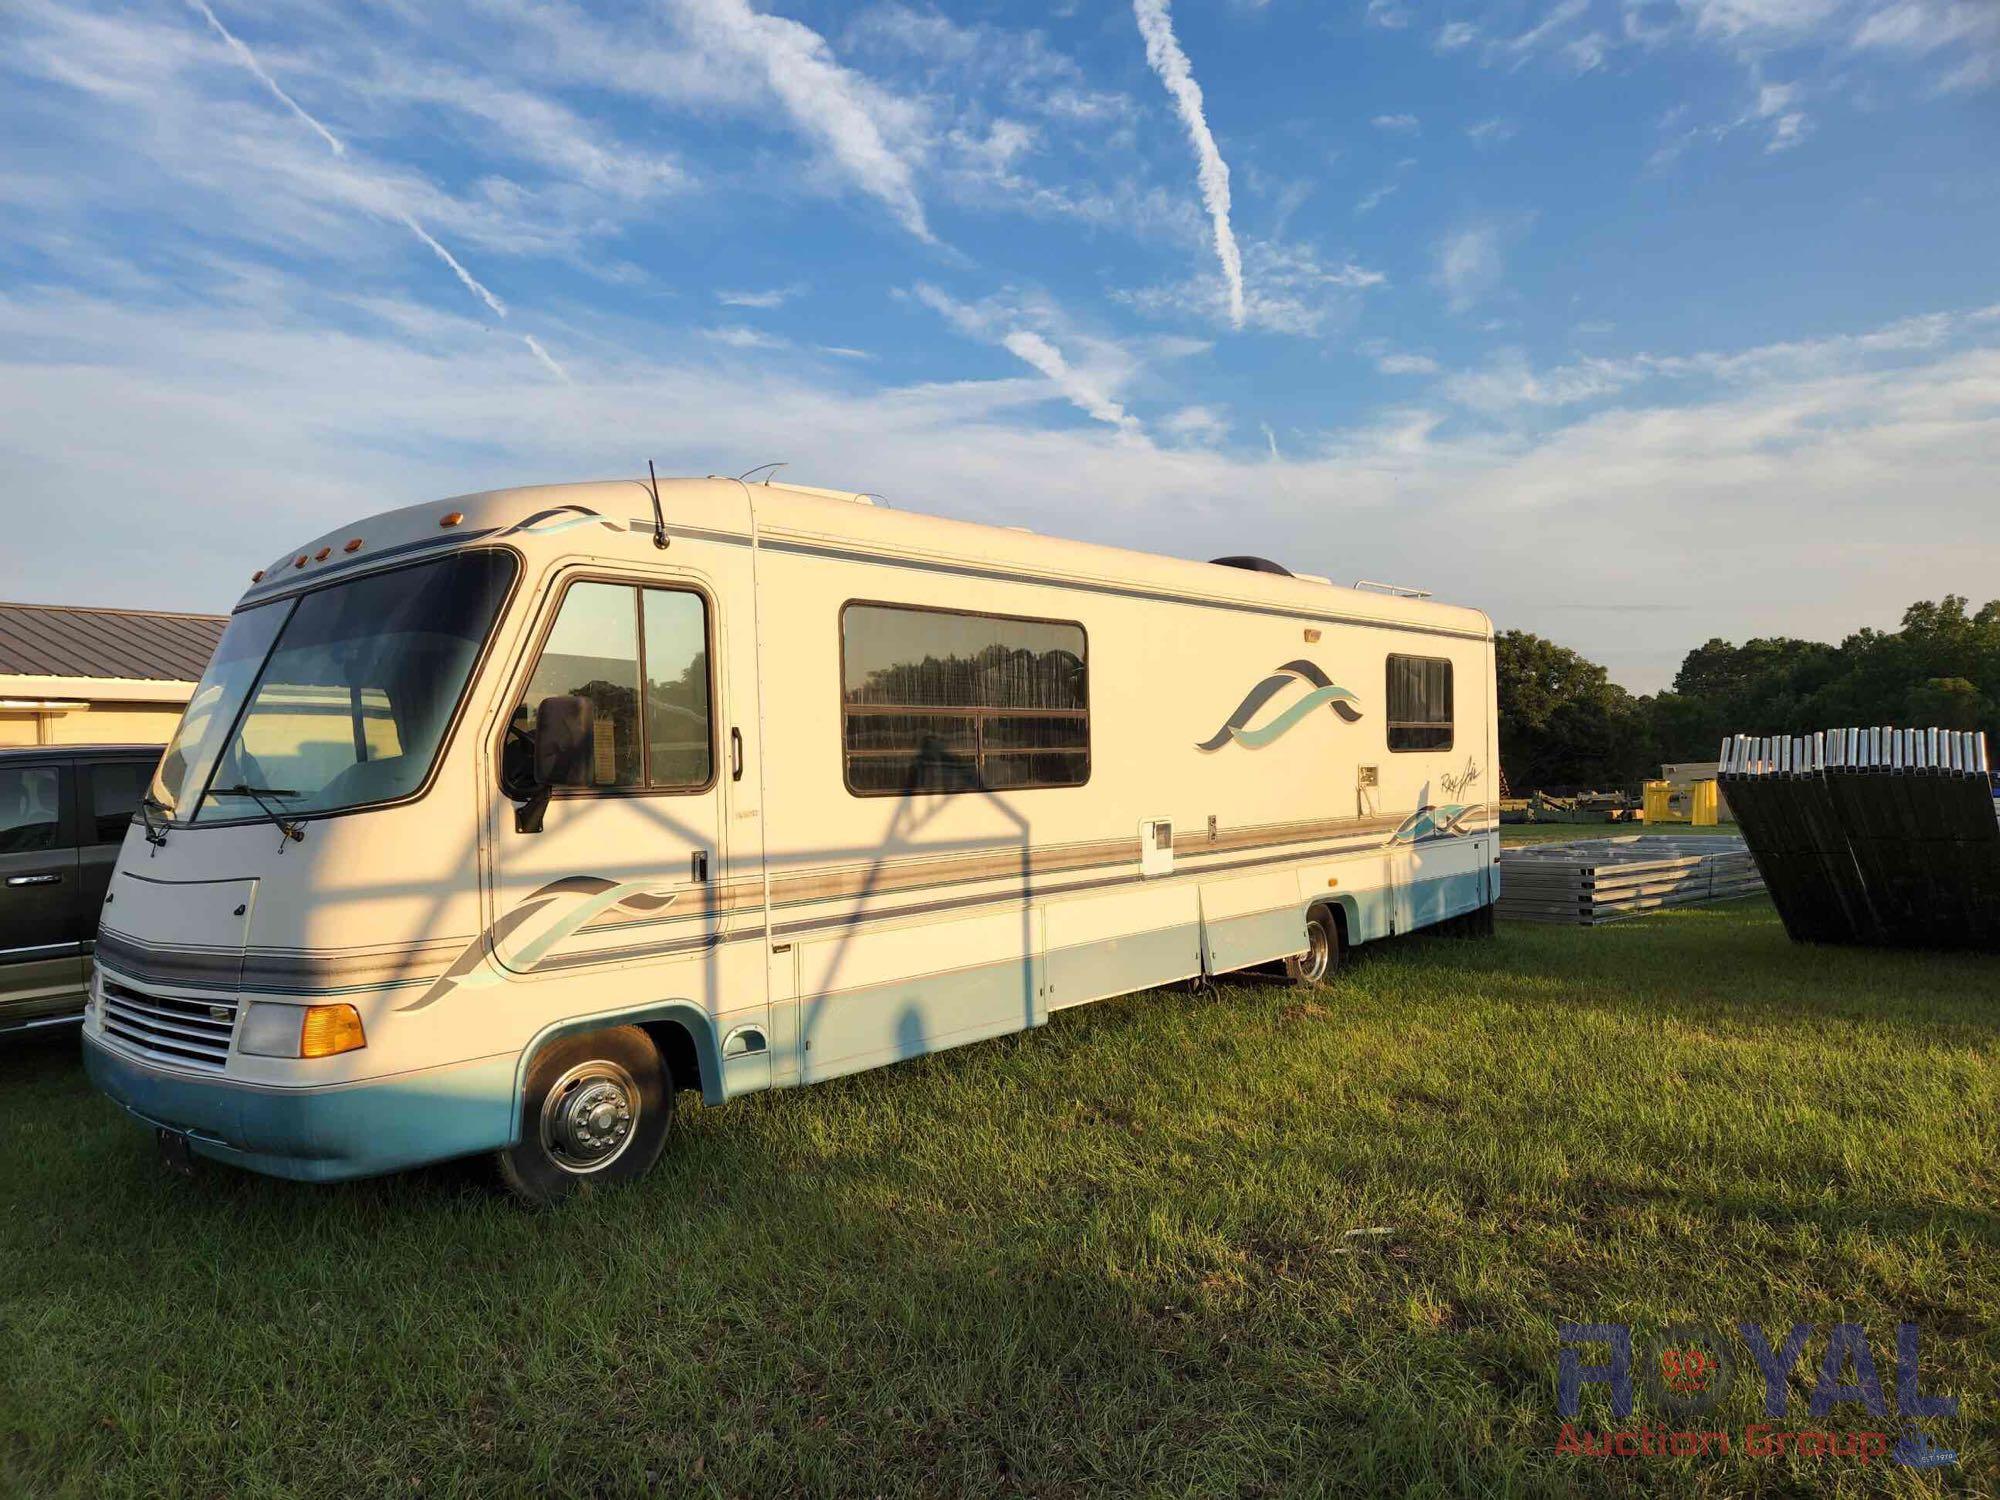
937 701
1419 699
641 657
30 808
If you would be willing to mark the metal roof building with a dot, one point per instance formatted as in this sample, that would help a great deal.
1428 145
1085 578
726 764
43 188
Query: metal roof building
72 675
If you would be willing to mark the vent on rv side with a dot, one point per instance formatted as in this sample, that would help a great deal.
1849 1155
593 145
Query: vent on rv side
1253 565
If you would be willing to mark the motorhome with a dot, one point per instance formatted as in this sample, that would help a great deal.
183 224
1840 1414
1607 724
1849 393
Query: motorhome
496 823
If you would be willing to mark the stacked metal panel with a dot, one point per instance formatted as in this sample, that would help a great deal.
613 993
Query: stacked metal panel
1592 881
1878 836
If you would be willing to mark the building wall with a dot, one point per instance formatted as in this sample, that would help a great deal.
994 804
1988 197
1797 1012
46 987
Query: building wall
84 711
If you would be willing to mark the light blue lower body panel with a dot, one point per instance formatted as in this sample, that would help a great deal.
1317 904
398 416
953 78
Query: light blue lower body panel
1238 942
1446 896
320 1134
885 1023
1117 966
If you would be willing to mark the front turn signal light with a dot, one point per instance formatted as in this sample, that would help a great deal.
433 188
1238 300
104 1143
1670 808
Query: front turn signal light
329 1030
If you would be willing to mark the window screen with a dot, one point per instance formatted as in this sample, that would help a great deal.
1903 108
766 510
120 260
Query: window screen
1419 697
609 638
935 701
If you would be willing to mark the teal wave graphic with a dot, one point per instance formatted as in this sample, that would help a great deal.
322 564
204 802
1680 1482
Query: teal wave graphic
1325 693
1256 738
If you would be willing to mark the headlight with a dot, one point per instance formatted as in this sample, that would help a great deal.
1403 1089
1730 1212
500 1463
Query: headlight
274 1029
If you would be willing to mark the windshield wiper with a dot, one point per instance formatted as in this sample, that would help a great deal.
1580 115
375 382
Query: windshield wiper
289 827
148 805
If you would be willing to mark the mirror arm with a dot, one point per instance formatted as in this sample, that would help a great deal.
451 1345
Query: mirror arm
529 811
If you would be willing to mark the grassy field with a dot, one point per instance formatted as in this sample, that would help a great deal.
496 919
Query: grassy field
1105 1258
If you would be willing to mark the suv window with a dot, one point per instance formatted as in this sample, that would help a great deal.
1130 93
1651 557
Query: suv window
112 795
30 808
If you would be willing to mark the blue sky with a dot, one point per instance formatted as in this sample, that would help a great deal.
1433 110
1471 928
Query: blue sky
1632 323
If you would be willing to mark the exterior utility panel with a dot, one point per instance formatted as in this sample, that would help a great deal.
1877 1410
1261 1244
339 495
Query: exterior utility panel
852 785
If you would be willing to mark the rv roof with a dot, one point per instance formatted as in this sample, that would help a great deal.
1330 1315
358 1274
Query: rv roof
830 518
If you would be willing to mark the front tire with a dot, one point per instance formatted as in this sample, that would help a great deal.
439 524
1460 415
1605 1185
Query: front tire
1321 960
595 1113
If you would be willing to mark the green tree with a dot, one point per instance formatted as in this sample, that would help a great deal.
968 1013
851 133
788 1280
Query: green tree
1563 722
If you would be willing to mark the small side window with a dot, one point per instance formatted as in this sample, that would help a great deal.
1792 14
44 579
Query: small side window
113 789
1419 703
640 656
30 808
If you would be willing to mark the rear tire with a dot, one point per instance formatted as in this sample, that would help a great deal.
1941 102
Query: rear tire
595 1113
1323 955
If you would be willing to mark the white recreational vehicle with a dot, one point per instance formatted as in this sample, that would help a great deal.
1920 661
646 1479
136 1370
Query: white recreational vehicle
496 822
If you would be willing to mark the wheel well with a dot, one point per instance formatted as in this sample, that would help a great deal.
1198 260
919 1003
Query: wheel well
1338 912
677 1051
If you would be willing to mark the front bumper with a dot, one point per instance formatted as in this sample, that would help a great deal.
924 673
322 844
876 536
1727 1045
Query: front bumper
324 1134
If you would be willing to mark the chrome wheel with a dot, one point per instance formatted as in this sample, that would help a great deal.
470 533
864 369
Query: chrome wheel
589 1116
1312 963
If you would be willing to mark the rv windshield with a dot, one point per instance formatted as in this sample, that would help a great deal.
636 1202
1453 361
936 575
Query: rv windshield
334 700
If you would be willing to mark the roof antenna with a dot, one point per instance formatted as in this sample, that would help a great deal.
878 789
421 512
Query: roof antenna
659 516
744 477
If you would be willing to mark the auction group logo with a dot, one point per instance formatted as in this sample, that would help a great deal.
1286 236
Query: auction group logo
1687 1370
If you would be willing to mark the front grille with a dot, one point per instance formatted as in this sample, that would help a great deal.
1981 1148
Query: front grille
190 1033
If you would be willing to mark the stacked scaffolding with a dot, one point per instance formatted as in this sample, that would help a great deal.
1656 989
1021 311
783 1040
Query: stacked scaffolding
1592 881
1878 836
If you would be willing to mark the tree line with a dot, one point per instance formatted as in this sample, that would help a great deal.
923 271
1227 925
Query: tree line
1564 723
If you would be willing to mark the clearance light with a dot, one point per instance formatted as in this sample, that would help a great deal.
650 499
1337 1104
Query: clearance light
323 554
258 576
353 546
330 1029
272 1028
299 561
453 519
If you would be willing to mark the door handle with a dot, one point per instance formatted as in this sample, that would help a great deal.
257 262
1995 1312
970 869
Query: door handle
34 880
698 866
735 754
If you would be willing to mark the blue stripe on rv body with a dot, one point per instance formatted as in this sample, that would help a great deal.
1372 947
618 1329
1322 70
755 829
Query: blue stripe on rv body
384 1125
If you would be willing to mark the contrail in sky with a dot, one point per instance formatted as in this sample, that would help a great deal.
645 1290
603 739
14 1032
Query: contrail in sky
1164 53
339 148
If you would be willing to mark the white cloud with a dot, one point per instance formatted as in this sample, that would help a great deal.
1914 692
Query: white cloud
1091 388
1195 424
1470 264
1454 35
1164 55
741 336
1406 364
1967 31
1287 289
273 426
1391 15
249 60
1491 132
1760 20
1372 199
771 297
849 117
1397 124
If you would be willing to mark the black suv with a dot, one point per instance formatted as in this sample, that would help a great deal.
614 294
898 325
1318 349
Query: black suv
63 813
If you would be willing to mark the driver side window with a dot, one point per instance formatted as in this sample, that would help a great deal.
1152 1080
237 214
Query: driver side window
640 657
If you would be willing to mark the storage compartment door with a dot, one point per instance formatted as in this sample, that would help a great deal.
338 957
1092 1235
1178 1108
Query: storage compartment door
1251 920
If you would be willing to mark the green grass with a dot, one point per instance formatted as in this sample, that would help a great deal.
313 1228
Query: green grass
1104 1258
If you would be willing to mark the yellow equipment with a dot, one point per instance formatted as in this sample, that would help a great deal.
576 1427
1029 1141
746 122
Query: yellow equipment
1681 802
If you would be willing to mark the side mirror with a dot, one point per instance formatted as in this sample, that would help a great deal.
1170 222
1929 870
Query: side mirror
563 745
